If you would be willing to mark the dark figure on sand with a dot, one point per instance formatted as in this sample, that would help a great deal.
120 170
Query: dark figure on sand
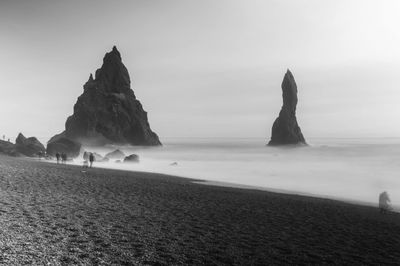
58 157
384 202
91 159
63 158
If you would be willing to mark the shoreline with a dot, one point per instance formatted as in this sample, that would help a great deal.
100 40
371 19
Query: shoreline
202 181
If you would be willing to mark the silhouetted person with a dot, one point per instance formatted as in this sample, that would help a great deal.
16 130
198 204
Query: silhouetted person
384 202
91 159
58 157
64 158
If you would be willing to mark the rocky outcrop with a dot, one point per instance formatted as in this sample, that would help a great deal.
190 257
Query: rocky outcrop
108 112
285 129
117 154
8 148
61 144
29 146
133 158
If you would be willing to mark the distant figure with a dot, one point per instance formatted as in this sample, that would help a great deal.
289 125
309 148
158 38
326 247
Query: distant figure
8 139
91 159
4 137
86 156
384 202
58 157
64 158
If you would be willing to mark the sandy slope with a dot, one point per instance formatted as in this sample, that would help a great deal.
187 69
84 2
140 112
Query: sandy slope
60 215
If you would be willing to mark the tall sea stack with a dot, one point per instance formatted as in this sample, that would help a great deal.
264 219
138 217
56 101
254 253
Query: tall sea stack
285 129
108 112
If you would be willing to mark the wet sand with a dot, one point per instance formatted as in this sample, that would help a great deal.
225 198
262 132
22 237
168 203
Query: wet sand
59 215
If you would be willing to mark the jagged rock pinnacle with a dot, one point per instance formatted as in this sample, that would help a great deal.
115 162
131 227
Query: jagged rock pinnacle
108 112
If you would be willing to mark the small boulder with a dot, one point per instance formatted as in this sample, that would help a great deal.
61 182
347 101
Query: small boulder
104 160
117 154
133 158
97 157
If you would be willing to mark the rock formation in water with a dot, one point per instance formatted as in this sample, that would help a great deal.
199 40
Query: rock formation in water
285 129
108 112
133 158
117 154
29 146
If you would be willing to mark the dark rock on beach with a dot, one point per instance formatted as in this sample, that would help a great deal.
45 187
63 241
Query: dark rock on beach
117 154
108 112
133 158
29 146
104 160
285 129
8 148
61 144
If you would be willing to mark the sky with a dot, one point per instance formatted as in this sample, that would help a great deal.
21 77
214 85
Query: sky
210 68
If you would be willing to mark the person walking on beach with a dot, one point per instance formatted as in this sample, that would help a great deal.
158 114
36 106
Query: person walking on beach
91 159
64 157
58 157
384 202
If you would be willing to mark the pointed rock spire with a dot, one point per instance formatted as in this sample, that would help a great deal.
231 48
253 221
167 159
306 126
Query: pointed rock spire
113 74
285 129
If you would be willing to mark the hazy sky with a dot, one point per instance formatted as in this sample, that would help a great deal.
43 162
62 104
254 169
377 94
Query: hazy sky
207 68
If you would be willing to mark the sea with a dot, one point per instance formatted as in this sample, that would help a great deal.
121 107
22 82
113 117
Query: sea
348 169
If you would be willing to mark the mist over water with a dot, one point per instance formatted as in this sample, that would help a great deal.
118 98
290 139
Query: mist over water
349 169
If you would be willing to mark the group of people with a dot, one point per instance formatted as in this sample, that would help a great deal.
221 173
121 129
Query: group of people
88 159
61 157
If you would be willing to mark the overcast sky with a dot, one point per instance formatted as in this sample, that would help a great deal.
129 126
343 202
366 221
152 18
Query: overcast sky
207 68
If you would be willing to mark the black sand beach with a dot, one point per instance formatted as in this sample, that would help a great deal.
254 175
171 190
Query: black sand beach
59 215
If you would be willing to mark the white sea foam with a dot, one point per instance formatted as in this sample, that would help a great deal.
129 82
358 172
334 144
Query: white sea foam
350 169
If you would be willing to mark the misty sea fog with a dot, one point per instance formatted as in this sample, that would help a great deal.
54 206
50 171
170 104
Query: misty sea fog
347 169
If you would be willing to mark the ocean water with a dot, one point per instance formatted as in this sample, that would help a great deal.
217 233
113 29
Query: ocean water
347 169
